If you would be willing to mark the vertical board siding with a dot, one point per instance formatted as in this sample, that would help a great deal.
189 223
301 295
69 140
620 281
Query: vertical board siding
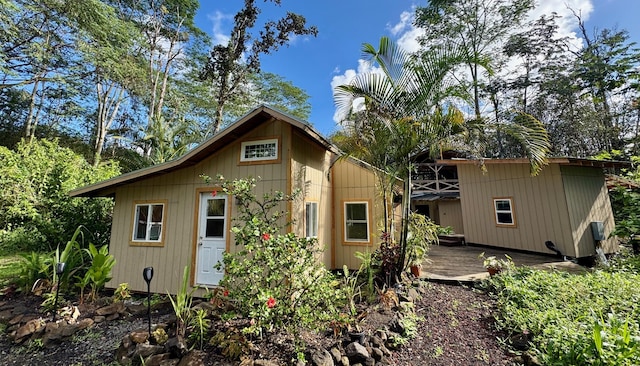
179 188
588 201
450 214
352 182
539 207
309 173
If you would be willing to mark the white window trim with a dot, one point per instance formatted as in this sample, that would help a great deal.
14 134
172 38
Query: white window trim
346 222
150 223
243 147
311 226
509 211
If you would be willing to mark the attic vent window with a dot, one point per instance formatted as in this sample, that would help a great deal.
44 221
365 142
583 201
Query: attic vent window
259 150
504 212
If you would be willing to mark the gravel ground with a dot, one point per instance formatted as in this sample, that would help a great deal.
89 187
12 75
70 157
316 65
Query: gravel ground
457 330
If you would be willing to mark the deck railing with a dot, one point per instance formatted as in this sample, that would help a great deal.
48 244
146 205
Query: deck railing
435 178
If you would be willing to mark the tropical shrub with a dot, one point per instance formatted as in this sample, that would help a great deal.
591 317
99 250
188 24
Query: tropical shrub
422 234
36 212
589 319
275 278
85 267
99 272
181 304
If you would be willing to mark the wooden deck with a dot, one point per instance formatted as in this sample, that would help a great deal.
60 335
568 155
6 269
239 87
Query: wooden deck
462 264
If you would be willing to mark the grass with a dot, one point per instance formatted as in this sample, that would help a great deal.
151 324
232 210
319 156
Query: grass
9 269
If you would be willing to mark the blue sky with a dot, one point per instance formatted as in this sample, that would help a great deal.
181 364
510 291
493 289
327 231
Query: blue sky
331 58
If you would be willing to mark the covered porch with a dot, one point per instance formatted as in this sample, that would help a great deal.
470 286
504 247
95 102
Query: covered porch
462 263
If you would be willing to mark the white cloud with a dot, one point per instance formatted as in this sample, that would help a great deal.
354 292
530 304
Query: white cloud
218 19
406 21
567 24
364 67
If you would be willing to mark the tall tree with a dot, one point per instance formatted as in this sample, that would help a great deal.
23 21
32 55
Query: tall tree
604 68
226 68
476 26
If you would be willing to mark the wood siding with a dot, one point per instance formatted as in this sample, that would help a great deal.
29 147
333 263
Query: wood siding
310 173
588 201
450 214
180 189
539 206
353 183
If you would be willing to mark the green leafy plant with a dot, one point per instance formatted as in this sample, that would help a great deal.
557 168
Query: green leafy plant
33 267
122 292
352 291
556 310
422 234
368 271
182 304
274 279
233 344
492 263
99 273
198 326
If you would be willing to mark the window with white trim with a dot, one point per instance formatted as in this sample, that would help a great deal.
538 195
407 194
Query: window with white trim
356 226
311 219
149 219
259 150
504 211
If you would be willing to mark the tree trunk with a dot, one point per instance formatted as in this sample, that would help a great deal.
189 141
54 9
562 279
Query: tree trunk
108 107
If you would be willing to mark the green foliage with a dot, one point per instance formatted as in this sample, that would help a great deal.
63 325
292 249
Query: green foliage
422 234
33 267
84 267
626 208
276 279
233 344
122 292
99 273
182 304
623 261
367 271
36 212
589 319
198 326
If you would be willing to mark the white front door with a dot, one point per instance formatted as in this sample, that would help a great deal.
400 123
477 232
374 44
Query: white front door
212 235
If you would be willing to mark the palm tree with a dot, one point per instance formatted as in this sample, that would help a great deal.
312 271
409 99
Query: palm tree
393 114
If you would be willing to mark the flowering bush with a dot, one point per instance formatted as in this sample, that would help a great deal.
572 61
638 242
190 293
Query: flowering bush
275 278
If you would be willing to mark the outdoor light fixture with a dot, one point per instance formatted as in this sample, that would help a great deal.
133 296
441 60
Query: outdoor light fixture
147 274
59 271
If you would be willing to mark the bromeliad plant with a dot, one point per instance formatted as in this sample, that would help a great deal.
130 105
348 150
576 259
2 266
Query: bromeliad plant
275 278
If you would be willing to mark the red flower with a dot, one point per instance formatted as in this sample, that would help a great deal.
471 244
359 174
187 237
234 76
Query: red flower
266 236
271 302
225 293
214 193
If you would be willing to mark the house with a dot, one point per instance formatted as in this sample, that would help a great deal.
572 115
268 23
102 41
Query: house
506 207
166 217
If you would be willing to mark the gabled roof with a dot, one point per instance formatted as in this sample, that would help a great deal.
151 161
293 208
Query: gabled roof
205 149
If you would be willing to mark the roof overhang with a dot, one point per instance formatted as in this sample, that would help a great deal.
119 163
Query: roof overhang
220 140
560 161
